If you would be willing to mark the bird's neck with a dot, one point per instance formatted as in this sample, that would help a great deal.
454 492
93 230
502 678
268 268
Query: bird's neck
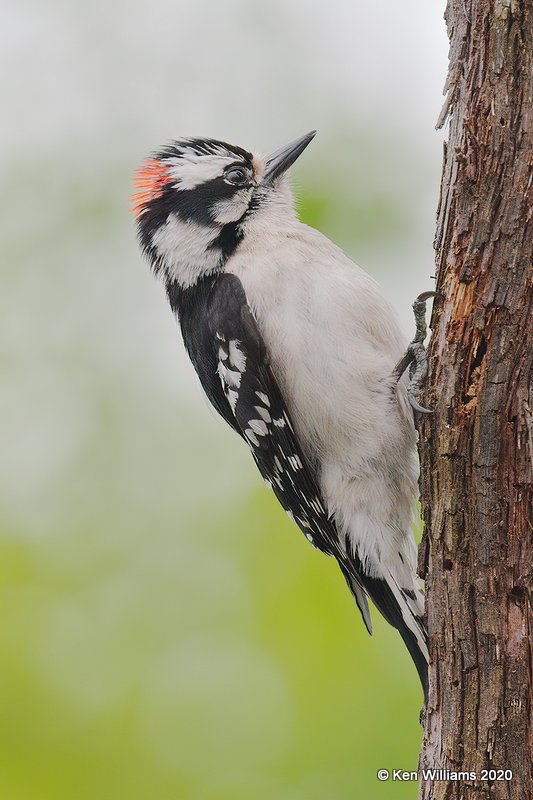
272 214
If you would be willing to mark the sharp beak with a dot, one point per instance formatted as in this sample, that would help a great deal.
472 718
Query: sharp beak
280 160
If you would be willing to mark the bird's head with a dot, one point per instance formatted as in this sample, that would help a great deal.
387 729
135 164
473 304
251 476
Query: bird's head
194 198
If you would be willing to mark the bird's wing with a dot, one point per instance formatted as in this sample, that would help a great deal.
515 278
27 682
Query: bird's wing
262 419
260 413
191 307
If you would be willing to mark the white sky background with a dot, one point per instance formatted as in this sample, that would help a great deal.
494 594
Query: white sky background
77 73
88 89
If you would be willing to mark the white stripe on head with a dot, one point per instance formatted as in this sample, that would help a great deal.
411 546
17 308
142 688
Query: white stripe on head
192 169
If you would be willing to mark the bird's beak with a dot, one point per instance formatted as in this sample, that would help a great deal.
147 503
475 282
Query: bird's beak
280 160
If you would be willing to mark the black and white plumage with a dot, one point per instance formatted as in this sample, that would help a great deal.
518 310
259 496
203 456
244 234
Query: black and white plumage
295 348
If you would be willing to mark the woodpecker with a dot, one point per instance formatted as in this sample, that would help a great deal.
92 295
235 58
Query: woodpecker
296 348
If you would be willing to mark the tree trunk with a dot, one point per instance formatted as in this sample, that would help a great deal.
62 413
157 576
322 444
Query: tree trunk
475 449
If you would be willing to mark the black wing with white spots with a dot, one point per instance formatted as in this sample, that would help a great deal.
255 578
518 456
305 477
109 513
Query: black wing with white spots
260 414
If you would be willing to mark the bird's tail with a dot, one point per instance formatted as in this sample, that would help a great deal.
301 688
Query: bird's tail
402 608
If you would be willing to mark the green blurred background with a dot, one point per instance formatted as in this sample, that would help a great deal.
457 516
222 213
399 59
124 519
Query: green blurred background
165 631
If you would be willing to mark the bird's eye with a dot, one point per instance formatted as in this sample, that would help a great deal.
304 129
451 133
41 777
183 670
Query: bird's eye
236 176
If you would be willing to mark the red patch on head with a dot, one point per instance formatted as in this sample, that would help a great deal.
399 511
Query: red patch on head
149 182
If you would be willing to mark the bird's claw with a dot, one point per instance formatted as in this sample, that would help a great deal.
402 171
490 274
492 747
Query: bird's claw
415 358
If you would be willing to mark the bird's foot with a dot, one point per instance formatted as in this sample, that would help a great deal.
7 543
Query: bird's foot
415 358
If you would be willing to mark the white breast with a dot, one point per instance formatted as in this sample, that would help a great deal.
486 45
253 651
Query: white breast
334 342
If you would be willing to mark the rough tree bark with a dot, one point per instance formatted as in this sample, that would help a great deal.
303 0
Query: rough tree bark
475 449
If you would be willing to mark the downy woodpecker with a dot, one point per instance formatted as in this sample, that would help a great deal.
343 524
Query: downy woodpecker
296 349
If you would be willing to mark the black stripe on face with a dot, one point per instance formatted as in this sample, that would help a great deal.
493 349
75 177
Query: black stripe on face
199 204
228 240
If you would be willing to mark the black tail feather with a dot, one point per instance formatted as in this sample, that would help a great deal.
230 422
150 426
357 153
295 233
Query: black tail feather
385 601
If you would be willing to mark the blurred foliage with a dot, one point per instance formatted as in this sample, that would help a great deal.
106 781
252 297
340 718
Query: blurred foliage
215 656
